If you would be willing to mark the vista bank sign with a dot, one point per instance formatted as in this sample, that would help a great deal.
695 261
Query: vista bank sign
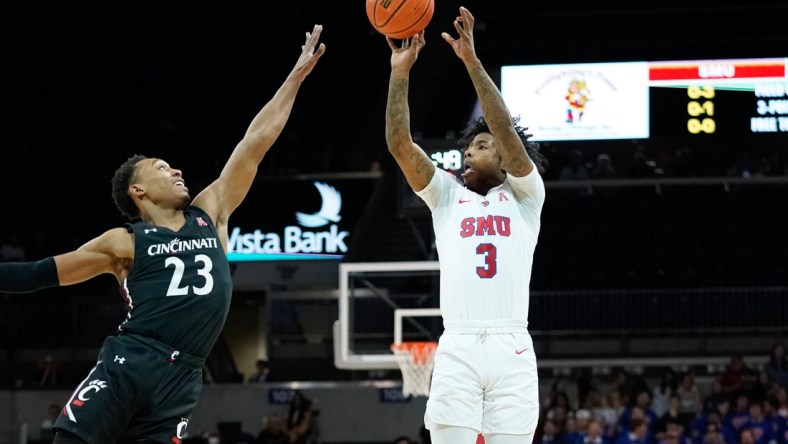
317 235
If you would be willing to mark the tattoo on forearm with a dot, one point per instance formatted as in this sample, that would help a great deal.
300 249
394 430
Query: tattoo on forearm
497 115
494 108
397 113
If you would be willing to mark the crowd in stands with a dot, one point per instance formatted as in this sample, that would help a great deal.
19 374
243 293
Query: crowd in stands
645 163
742 405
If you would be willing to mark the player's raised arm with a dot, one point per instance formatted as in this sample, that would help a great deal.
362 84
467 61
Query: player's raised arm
112 252
515 158
224 195
417 167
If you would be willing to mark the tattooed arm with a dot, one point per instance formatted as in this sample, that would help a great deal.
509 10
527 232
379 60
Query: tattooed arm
515 158
413 161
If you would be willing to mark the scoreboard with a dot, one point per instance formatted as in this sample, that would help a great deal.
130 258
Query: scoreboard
707 105
640 100
731 97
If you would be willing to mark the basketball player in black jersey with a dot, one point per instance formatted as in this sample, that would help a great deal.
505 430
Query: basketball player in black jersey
175 279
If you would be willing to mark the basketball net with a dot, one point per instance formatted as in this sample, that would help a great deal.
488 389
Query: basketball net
416 360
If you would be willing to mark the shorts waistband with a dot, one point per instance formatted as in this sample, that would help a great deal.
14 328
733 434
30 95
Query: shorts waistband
173 355
489 327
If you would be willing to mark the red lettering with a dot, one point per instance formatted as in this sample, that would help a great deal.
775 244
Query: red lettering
485 224
466 227
504 225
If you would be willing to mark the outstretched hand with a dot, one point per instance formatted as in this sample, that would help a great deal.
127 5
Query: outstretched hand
404 56
463 45
309 56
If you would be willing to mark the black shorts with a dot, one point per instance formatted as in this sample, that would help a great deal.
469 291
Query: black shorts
139 389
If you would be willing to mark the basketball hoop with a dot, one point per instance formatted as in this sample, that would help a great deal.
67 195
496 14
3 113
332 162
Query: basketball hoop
416 360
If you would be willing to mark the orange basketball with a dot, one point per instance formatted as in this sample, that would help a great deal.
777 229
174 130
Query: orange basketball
400 19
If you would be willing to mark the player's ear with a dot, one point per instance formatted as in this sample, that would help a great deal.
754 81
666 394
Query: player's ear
136 190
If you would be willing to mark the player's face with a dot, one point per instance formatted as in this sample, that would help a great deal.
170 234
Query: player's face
160 182
481 160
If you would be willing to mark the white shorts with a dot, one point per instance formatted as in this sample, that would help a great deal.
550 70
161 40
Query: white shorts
485 378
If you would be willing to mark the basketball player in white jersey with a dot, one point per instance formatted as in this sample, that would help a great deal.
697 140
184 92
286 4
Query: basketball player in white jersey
485 378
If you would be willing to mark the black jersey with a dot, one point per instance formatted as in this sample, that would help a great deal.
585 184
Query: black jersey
179 288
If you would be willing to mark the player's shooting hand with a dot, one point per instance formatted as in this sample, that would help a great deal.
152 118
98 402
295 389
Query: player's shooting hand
404 56
463 45
309 56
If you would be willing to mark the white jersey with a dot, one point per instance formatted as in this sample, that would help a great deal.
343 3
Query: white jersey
485 245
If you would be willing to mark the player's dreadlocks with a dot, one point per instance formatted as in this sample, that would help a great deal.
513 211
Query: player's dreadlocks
480 126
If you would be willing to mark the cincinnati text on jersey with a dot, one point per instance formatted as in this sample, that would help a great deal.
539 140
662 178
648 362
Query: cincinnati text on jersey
177 246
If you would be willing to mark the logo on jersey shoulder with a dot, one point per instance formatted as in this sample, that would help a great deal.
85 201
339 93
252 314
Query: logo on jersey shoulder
176 246
201 222
329 208
148 230
485 203
120 359
462 201
180 430
482 226
502 196
93 386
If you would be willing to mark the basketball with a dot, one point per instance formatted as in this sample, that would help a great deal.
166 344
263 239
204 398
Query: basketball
400 19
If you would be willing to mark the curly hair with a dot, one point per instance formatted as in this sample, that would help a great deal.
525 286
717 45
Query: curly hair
475 127
123 178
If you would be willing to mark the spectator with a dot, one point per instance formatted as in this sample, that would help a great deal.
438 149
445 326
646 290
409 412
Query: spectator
549 432
761 428
740 414
603 168
46 424
674 433
569 433
581 421
746 437
777 367
641 167
690 401
557 396
671 415
261 374
402 440
274 432
748 165
683 164
731 378
713 423
300 420
609 413
637 434
593 434
575 170
715 397
781 398
642 408
713 435
48 374
663 391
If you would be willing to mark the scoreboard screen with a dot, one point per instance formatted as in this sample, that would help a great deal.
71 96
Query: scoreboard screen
642 100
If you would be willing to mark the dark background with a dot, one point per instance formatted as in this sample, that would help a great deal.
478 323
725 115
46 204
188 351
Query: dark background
86 85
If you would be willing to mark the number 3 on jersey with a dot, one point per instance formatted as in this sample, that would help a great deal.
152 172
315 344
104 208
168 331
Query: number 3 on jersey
175 288
490 261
